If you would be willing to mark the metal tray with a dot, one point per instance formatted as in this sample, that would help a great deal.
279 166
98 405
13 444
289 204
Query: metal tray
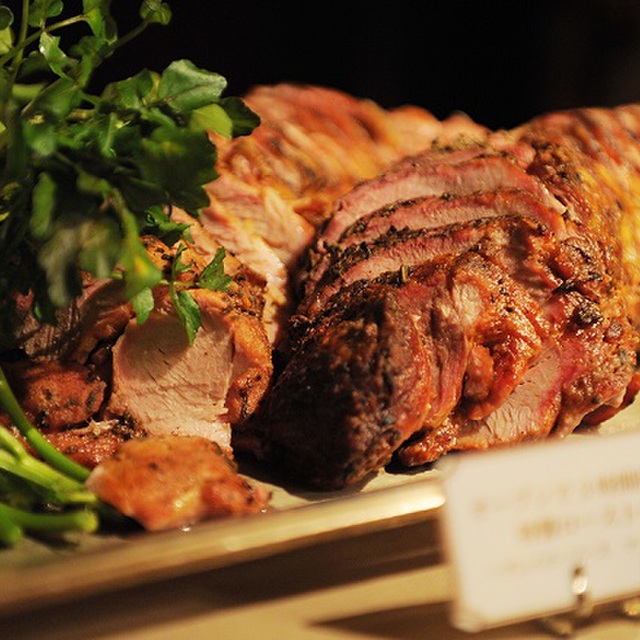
35 573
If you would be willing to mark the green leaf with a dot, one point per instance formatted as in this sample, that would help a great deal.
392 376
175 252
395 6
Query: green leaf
43 205
139 195
139 271
185 87
212 118
132 93
58 258
98 16
23 93
91 51
99 247
213 276
6 40
41 137
188 312
155 12
179 266
6 18
56 58
143 304
40 10
180 162
160 225
243 118
58 99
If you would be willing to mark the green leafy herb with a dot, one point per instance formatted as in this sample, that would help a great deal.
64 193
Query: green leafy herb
213 275
83 175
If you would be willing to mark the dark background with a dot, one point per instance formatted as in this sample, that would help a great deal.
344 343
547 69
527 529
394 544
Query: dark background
500 62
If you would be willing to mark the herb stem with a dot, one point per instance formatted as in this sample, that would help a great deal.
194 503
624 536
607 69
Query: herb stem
58 487
10 532
130 35
17 51
77 520
21 39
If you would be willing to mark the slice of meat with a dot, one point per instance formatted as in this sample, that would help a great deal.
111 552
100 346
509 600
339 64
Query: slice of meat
175 481
432 173
161 384
264 211
254 252
369 364
98 315
164 385
529 413
398 249
436 211
430 212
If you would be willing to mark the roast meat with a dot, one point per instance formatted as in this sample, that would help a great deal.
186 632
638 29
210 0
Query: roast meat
473 295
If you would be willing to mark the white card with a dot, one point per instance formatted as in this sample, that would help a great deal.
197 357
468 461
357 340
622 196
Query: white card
529 529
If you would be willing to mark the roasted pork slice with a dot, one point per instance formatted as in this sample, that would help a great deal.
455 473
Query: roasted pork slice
277 186
436 172
398 249
426 212
528 413
162 384
429 212
97 315
264 211
174 482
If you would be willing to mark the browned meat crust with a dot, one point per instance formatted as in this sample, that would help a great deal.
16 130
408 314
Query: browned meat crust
531 329
173 481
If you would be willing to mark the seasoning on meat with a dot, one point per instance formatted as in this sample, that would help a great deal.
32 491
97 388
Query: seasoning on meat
175 481
423 328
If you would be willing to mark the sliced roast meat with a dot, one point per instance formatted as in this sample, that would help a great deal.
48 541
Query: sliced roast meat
544 300
528 413
399 249
163 385
429 212
436 211
451 313
278 185
370 364
426 174
262 210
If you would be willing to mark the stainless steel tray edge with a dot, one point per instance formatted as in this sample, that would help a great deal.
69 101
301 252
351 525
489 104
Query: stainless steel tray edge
117 563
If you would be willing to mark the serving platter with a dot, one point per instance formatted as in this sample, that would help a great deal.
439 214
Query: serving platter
35 573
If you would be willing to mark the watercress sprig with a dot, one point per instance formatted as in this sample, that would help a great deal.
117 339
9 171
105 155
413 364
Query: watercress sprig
84 173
